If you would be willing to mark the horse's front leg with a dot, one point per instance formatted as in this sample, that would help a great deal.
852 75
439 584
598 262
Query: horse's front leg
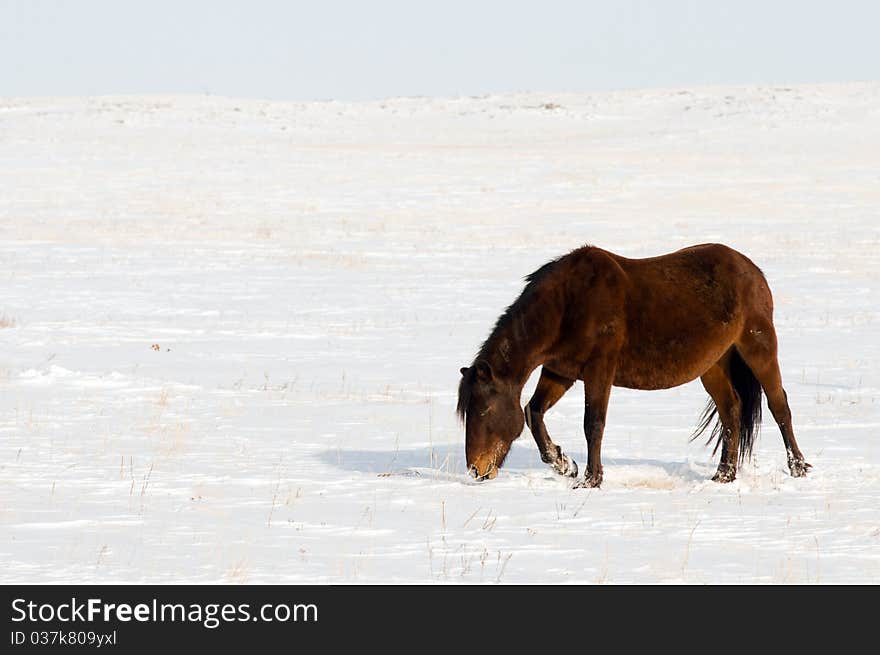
550 389
597 390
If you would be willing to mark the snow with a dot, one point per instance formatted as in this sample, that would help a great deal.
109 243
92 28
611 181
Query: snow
231 333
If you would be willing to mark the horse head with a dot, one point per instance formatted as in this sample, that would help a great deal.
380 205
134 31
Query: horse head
493 418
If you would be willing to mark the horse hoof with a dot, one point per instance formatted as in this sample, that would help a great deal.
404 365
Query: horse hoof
588 482
566 466
724 476
799 469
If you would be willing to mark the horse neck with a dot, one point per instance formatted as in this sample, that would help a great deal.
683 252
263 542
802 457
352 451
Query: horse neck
517 345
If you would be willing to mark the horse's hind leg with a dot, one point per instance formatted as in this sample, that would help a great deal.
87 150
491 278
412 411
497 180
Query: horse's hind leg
758 347
550 389
719 386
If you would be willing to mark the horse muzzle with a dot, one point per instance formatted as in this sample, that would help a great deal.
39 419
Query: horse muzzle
490 473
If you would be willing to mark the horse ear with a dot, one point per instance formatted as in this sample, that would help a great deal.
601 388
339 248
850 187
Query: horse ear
484 370
464 370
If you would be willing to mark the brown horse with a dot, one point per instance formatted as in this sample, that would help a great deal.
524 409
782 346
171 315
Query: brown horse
702 312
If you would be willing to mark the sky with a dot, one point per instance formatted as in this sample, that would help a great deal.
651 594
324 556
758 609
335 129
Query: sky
329 49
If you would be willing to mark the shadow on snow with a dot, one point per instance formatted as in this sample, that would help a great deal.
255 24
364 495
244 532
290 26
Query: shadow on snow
448 460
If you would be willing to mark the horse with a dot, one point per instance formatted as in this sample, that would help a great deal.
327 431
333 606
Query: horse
705 312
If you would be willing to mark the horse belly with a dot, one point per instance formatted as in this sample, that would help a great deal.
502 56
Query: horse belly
666 365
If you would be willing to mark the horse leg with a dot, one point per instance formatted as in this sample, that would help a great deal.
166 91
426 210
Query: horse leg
550 389
597 390
719 386
758 347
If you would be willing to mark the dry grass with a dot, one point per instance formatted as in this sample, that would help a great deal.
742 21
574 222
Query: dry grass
7 321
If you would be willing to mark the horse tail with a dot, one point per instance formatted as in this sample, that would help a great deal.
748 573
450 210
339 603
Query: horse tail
748 389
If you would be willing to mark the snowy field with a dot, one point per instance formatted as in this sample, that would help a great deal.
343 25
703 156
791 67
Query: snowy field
231 333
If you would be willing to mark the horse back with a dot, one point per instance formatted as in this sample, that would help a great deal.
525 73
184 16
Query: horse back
669 318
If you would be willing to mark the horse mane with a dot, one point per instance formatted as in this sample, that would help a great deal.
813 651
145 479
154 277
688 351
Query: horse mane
511 320
465 389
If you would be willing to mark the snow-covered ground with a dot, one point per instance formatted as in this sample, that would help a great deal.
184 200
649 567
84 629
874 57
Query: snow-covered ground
230 335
